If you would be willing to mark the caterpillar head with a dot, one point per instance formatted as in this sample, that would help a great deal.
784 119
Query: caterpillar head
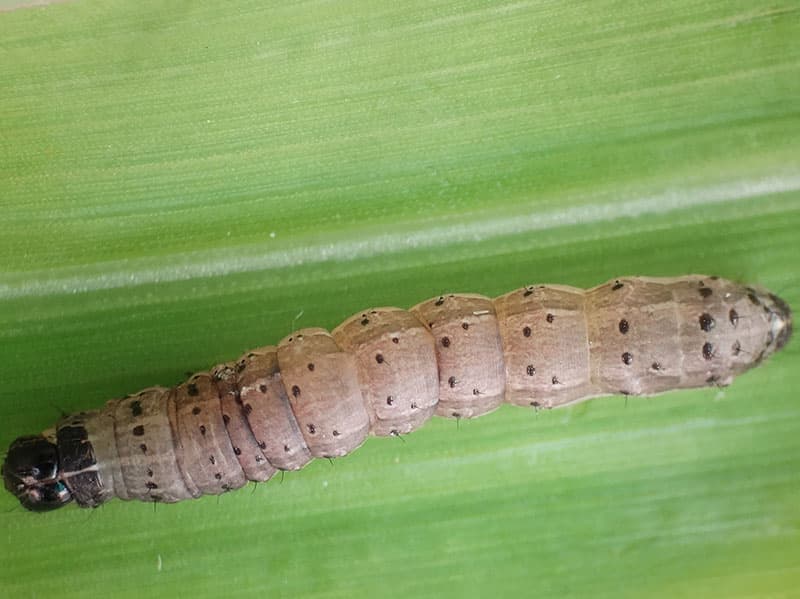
31 473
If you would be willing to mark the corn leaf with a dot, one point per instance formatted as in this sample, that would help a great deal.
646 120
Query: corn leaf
182 181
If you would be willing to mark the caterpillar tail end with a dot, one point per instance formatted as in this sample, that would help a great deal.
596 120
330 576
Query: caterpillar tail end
781 320
31 472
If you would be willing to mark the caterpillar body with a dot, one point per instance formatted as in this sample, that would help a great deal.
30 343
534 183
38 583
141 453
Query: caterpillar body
385 371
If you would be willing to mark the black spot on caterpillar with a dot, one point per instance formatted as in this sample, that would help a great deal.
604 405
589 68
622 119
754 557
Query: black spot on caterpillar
319 394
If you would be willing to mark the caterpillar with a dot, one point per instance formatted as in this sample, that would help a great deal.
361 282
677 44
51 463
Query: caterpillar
386 371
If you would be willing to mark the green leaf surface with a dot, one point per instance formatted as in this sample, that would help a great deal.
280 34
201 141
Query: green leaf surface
182 181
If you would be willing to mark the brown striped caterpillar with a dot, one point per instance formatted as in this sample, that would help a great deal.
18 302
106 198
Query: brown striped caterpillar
385 371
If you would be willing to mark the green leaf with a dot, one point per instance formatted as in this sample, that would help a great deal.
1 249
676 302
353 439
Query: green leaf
180 182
